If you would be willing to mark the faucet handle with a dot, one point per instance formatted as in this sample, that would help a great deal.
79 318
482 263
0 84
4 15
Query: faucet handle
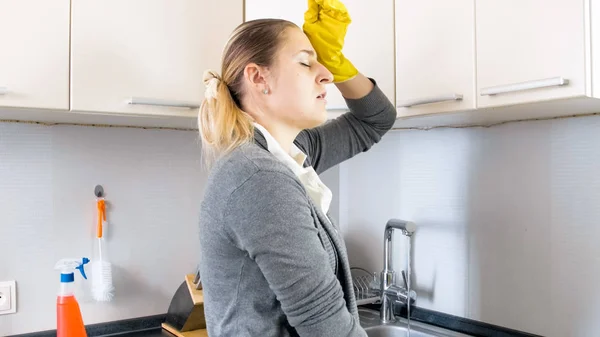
387 278
404 278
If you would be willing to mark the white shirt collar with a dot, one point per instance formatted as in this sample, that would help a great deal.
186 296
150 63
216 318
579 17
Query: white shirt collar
295 159
315 188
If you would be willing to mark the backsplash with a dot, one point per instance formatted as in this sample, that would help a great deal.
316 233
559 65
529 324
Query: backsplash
153 181
507 220
507 217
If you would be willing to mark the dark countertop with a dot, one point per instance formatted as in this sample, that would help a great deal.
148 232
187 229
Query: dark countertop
150 326
156 332
135 327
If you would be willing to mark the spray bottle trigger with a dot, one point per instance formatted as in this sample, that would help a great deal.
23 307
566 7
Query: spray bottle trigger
81 267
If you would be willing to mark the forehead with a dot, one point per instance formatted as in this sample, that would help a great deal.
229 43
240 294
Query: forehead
295 42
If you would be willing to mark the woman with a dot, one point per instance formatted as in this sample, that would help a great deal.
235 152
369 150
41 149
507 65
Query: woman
272 262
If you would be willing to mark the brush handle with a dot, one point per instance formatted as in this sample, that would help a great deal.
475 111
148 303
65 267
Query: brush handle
101 216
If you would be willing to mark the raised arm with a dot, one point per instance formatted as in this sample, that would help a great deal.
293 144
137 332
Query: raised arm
356 131
371 112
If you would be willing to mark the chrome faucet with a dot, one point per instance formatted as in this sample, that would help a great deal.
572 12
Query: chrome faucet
390 292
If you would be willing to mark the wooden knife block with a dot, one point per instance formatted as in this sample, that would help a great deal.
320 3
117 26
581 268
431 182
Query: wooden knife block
185 317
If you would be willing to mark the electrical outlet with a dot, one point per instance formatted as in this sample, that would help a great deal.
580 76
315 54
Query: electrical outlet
8 297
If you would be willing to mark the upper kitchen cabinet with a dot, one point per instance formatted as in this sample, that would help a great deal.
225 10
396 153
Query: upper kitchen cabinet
435 56
34 61
146 56
369 42
292 10
532 51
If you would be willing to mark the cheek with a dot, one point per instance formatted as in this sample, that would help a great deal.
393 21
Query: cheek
296 89
296 92
305 86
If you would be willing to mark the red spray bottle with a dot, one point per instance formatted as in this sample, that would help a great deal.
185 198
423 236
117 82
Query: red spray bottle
69 322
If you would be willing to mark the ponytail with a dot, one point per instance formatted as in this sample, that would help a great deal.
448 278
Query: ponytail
222 124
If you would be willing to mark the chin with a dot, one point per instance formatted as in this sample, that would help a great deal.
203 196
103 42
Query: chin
321 117
313 119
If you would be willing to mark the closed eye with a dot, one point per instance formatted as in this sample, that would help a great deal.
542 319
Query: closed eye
305 64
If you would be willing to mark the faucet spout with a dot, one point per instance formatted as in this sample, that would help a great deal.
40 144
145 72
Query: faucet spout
407 227
388 276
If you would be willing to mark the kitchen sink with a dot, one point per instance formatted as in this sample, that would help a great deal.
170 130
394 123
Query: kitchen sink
369 320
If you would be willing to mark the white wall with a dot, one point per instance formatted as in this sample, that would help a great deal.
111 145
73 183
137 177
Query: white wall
507 220
507 217
154 182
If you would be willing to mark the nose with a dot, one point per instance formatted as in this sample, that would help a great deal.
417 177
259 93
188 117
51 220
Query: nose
324 76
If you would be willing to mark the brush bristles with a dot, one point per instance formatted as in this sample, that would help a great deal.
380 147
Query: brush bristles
102 286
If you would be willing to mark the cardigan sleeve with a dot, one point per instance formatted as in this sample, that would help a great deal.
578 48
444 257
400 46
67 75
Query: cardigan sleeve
356 131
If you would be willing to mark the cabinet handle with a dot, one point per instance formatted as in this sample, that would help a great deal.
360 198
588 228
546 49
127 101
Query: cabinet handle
543 83
3 90
159 102
429 100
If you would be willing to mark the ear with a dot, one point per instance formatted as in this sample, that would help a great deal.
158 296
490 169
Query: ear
256 76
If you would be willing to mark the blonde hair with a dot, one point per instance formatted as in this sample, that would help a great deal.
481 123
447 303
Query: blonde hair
222 123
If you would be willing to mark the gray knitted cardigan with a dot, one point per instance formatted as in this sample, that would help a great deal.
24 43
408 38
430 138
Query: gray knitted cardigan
272 263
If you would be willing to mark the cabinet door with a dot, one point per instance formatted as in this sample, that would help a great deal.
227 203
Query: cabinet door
147 56
369 42
435 56
528 50
34 57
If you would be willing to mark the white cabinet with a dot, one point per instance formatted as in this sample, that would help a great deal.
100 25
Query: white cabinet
146 56
291 10
369 42
442 62
34 56
531 51
435 56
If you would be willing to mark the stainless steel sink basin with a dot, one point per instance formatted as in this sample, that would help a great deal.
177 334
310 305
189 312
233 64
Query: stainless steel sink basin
369 320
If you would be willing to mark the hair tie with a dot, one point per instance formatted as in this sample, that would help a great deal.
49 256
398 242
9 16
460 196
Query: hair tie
211 81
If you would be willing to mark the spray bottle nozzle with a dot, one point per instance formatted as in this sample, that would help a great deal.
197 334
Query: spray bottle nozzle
67 267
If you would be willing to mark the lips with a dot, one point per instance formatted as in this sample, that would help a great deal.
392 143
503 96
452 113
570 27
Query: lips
322 95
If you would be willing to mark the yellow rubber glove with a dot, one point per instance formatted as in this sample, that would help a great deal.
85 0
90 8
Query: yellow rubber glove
325 24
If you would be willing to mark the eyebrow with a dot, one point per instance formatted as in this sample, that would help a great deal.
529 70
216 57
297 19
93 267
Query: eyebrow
307 51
